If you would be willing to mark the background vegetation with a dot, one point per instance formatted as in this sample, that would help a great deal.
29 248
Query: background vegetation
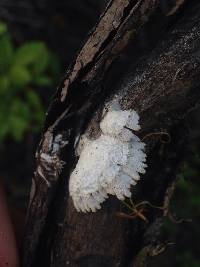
23 71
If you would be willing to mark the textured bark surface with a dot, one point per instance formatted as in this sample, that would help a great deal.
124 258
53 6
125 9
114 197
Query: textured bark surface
162 84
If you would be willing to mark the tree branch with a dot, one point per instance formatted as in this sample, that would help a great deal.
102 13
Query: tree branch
163 88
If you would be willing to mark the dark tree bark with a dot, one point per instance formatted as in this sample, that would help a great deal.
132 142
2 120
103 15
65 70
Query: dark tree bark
161 82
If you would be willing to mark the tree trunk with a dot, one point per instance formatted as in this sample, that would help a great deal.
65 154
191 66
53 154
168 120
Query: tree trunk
153 47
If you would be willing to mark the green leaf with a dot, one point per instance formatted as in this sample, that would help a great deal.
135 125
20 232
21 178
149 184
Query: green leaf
43 81
54 66
33 99
6 53
36 105
19 119
18 126
19 76
3 28
20 108
4 85
34 55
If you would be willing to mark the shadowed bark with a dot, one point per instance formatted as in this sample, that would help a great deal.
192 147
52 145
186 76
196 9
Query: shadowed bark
162 84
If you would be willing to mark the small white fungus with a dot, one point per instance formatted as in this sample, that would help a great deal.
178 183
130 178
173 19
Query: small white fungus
109 164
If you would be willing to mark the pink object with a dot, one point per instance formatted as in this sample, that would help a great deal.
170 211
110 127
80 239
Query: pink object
8 247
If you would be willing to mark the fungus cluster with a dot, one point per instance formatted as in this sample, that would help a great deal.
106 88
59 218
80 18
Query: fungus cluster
109 164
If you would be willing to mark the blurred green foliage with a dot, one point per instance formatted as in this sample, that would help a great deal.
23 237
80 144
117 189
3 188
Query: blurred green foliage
186 205
23 70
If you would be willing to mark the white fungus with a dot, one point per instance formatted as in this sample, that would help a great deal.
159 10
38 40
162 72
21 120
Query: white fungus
109 164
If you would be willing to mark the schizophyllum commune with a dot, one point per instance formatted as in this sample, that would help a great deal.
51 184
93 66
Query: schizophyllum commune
109 164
